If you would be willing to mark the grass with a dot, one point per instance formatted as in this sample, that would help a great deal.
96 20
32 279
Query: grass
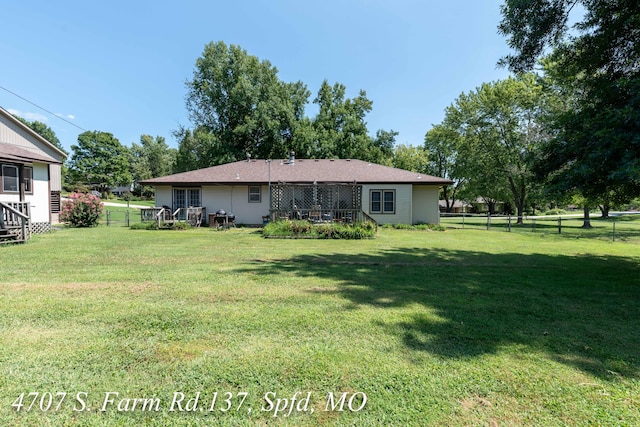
462 327
627 227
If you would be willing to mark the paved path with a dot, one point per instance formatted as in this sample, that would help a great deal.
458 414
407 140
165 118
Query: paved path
121 205
124 205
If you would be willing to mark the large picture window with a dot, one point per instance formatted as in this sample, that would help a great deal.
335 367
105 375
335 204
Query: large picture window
382 201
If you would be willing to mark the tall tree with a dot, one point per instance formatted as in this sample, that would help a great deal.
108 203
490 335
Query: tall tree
243 104
441 145
411 158
150 159
596 150
500 125
339 125
99 160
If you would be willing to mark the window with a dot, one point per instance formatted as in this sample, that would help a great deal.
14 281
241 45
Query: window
389 205
376 205
255 194
10 179
28 178
382 201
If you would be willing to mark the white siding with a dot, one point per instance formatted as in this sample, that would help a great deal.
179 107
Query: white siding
425 204
403 203
14 134
235 199
164 196
39 200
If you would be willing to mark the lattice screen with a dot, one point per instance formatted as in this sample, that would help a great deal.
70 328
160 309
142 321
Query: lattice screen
316 196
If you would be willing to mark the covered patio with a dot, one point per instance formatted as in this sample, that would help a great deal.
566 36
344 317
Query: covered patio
317 202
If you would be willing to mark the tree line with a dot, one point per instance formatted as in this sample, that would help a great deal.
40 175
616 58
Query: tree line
564 128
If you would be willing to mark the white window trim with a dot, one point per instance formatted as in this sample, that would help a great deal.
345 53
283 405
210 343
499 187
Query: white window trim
382 210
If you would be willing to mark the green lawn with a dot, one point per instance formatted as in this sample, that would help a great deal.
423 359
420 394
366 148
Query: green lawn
463 327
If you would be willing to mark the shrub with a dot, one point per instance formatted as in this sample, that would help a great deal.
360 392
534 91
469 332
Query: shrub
153 225
555 212
81 210
305 229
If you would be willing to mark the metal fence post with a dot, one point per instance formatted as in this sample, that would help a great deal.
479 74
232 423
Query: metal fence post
533 225
488 221
614 231
559 225
126 217
509 224
108 217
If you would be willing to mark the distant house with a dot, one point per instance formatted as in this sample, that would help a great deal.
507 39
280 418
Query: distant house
459 206
30 174
293 188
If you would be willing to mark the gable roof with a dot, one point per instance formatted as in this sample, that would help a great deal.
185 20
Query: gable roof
21 128
300 171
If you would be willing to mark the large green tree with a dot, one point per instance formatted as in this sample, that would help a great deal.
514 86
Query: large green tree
339 126
151 158
99 161
596 149
500 126
242 103
441 144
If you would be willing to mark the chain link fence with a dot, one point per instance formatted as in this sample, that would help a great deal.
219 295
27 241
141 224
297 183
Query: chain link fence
120 217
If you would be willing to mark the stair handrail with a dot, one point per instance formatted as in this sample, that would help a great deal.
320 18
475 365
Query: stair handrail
14 211
21 215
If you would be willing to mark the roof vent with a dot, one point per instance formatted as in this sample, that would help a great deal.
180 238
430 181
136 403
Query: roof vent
248 157
292 157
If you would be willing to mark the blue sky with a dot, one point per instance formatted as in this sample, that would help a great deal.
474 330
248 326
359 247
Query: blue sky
120 67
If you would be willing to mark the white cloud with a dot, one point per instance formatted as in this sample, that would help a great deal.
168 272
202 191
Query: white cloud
29 116
68 116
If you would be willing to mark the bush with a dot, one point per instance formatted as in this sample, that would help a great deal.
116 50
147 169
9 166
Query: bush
305 229
555 212
81 210
153 225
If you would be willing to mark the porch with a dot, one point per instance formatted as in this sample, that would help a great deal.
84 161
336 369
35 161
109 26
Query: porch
317 203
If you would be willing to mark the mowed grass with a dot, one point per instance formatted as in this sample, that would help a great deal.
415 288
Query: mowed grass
463 327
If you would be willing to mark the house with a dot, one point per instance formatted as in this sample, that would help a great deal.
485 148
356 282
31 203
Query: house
327 189
459 206
30 176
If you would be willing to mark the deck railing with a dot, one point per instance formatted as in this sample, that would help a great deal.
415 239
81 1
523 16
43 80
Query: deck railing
15 221
165 215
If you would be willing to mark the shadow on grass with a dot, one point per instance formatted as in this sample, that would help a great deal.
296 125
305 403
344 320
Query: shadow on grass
583 311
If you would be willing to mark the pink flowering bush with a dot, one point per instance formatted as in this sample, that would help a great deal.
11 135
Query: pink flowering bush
81 210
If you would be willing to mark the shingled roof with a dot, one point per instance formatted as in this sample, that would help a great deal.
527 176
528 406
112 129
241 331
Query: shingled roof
14 153
300 171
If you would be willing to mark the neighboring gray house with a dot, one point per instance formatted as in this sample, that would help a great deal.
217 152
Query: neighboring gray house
300 187
30 172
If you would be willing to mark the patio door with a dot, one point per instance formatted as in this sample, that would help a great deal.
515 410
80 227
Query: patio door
184 198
